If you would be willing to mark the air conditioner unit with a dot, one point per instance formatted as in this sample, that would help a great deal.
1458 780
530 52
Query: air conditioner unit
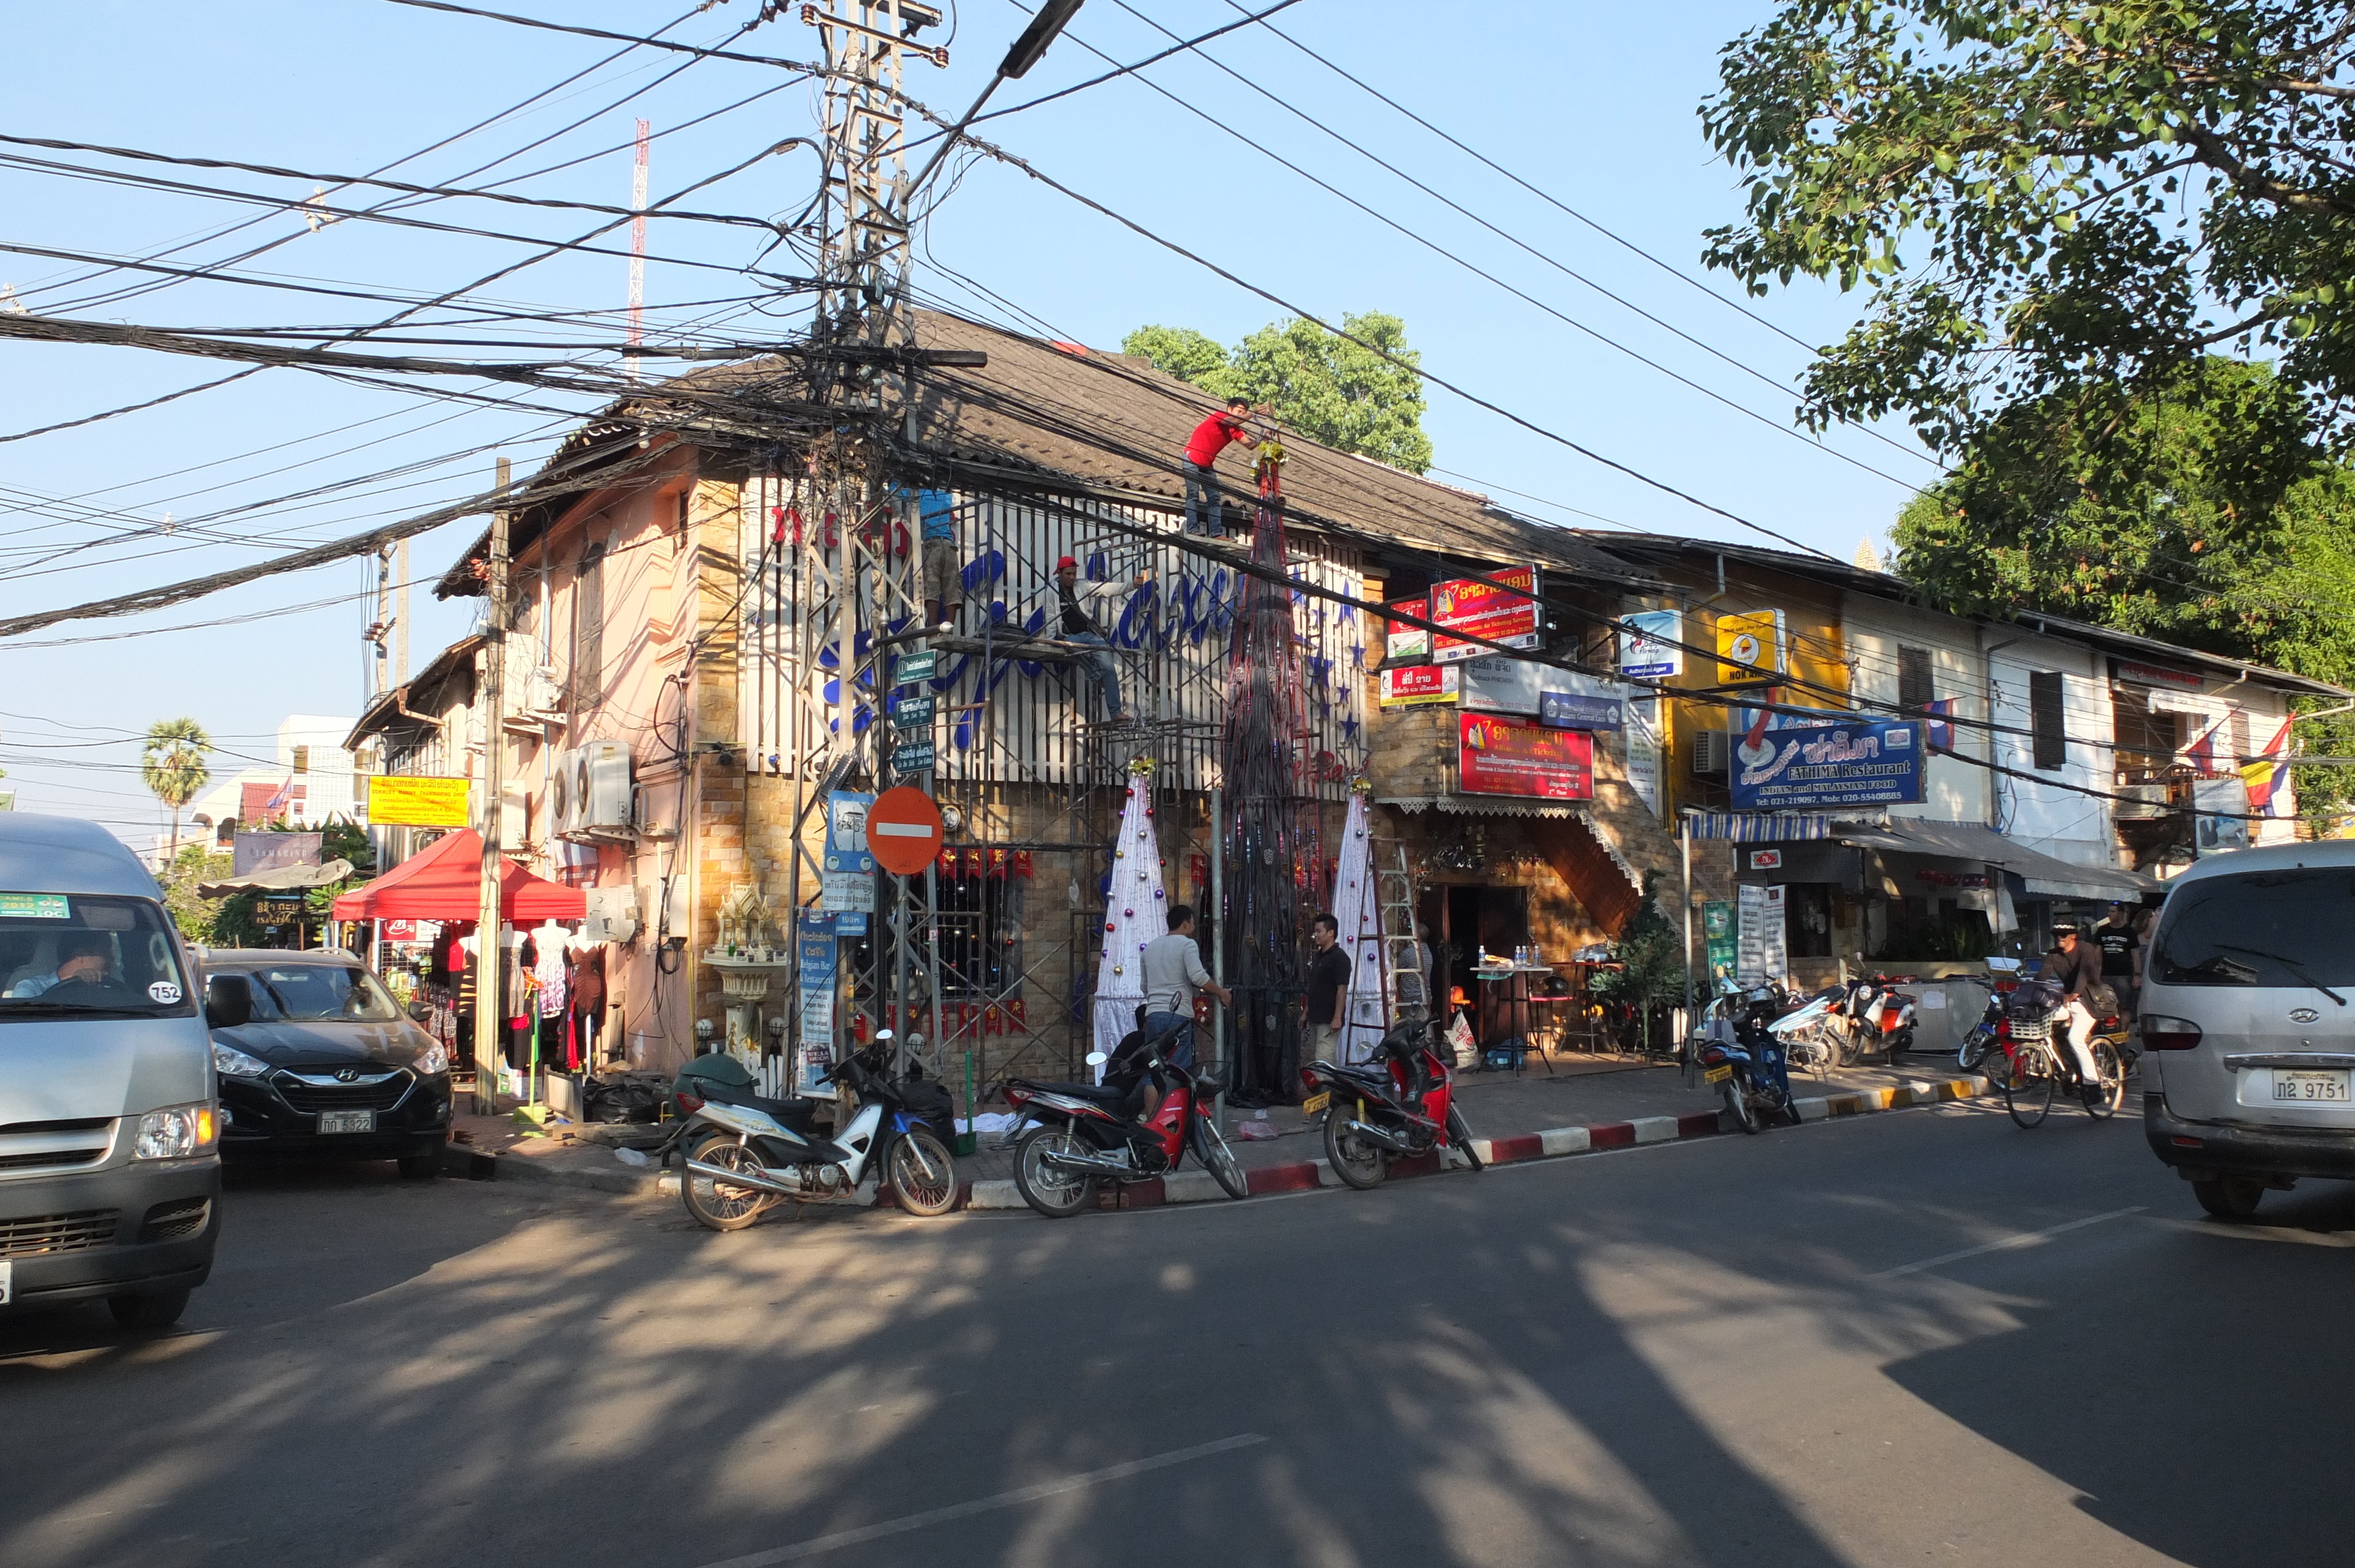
1710 748
560 816
2141 802
601 788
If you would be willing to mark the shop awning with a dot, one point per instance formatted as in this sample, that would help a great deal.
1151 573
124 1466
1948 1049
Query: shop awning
445 881
2038 873
1482 806
1772 827
285 879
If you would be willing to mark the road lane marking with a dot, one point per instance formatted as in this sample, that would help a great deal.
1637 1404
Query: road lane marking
1014 1499
2009 1243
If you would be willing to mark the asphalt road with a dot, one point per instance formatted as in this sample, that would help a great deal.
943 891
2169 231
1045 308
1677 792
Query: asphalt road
1919 1337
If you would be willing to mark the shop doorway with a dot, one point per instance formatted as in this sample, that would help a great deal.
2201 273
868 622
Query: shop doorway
1464 923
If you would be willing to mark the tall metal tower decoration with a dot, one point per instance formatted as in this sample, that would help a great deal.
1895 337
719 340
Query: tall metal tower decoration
1275 868
864 264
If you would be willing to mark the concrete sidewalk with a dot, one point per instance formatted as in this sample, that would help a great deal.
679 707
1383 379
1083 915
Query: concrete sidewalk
1582 1104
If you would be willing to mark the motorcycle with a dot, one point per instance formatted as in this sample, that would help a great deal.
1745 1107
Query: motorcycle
1813 1034
1979 1049
1752 1072
1880 1018
745 1158
1371 1116
1090 1133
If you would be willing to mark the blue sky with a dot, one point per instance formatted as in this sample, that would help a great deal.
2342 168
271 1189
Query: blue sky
1596 105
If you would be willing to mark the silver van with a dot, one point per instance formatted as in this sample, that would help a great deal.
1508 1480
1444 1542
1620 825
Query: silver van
109 1125
2248 1022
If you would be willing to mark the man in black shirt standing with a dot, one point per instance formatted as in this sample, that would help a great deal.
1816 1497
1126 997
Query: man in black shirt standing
1328 989
2121 955
1076 622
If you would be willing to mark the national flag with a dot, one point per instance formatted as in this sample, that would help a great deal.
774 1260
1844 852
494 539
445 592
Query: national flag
2267 777
279 796
2201 752
1941 726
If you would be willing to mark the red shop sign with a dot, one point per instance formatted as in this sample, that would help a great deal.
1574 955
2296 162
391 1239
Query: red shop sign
1503 609
1498 756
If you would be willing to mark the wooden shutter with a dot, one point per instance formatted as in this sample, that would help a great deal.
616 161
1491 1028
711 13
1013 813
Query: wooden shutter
2045 711
1915 690
588 631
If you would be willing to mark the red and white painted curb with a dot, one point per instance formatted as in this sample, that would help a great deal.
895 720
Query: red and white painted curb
1554 1143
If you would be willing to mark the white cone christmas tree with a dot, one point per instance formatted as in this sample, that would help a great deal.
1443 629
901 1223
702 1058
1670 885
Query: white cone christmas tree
1360 919
1136 910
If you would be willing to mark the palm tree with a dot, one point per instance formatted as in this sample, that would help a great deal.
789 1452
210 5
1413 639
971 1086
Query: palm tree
172 765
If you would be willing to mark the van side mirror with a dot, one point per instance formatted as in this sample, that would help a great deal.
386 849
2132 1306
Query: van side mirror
421 1012
228 1001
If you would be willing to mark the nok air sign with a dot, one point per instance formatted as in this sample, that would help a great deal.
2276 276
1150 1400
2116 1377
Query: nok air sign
1751 650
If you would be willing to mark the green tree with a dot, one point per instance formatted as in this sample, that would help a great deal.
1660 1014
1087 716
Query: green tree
194 913
2042 196
2198 509
172 765
1321 384
1651 953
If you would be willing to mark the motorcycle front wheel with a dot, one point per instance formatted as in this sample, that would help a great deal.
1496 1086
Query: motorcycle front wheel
1356 1161
922 1175
1737 1103
1459 1133
1210 1149
720 1204
1054 1192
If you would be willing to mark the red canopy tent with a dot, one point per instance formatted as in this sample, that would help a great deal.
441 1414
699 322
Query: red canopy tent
445 883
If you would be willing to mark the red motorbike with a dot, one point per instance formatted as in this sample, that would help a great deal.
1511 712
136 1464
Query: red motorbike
1091 1133
1374 1113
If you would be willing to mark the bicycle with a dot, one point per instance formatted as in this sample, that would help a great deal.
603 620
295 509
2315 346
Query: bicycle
2033 1068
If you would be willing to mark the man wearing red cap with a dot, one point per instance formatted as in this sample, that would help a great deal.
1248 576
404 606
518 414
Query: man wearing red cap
1211 437
1079 625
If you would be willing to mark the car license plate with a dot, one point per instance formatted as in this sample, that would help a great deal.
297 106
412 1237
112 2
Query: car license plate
7 1279
1717 1075
347 1121
1316 1103
2326 1087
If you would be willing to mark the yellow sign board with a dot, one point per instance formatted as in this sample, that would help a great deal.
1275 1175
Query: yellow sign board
1747 640
405 801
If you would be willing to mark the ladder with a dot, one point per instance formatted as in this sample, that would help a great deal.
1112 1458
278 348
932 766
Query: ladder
1405 987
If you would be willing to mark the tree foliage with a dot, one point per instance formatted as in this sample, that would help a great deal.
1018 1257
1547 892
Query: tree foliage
1652 951
1326 386
172 765
2196 508
196 915
2044 195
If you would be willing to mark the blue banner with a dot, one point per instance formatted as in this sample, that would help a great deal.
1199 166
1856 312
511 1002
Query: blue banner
1834 765
1576 710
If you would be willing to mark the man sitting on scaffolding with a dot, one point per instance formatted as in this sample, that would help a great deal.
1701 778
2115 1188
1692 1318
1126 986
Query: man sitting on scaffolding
1079 625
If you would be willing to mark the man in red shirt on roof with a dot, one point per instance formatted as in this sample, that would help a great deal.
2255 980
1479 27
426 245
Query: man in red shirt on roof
1211 439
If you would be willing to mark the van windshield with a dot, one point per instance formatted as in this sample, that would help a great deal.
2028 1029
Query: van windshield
2280 928
63 952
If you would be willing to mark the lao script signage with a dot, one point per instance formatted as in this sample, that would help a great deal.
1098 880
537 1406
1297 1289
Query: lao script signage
1834 765
1505 756
1504 610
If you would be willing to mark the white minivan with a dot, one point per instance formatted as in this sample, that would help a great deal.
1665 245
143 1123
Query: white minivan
2248 1022
109 1165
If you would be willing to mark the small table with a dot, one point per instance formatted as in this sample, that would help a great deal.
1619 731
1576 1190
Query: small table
1516 977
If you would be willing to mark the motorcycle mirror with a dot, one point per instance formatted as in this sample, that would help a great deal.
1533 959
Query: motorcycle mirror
882 1035
1097 1058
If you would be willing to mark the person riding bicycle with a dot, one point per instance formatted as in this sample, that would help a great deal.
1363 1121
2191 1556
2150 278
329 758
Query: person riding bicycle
2075 965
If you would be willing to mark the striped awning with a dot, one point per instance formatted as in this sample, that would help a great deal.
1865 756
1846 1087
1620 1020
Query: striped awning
1772 827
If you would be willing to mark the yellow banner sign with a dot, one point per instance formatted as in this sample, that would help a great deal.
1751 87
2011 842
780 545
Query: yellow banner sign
1751 649
403 801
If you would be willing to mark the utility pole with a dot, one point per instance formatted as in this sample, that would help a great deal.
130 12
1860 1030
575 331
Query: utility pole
631 360
488 954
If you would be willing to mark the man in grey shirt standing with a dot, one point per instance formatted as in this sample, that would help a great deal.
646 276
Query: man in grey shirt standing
1173 973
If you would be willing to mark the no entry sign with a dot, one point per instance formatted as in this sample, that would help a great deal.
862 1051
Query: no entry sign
904 829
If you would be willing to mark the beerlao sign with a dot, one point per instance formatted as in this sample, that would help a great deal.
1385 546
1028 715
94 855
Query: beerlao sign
1497 756
410 800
